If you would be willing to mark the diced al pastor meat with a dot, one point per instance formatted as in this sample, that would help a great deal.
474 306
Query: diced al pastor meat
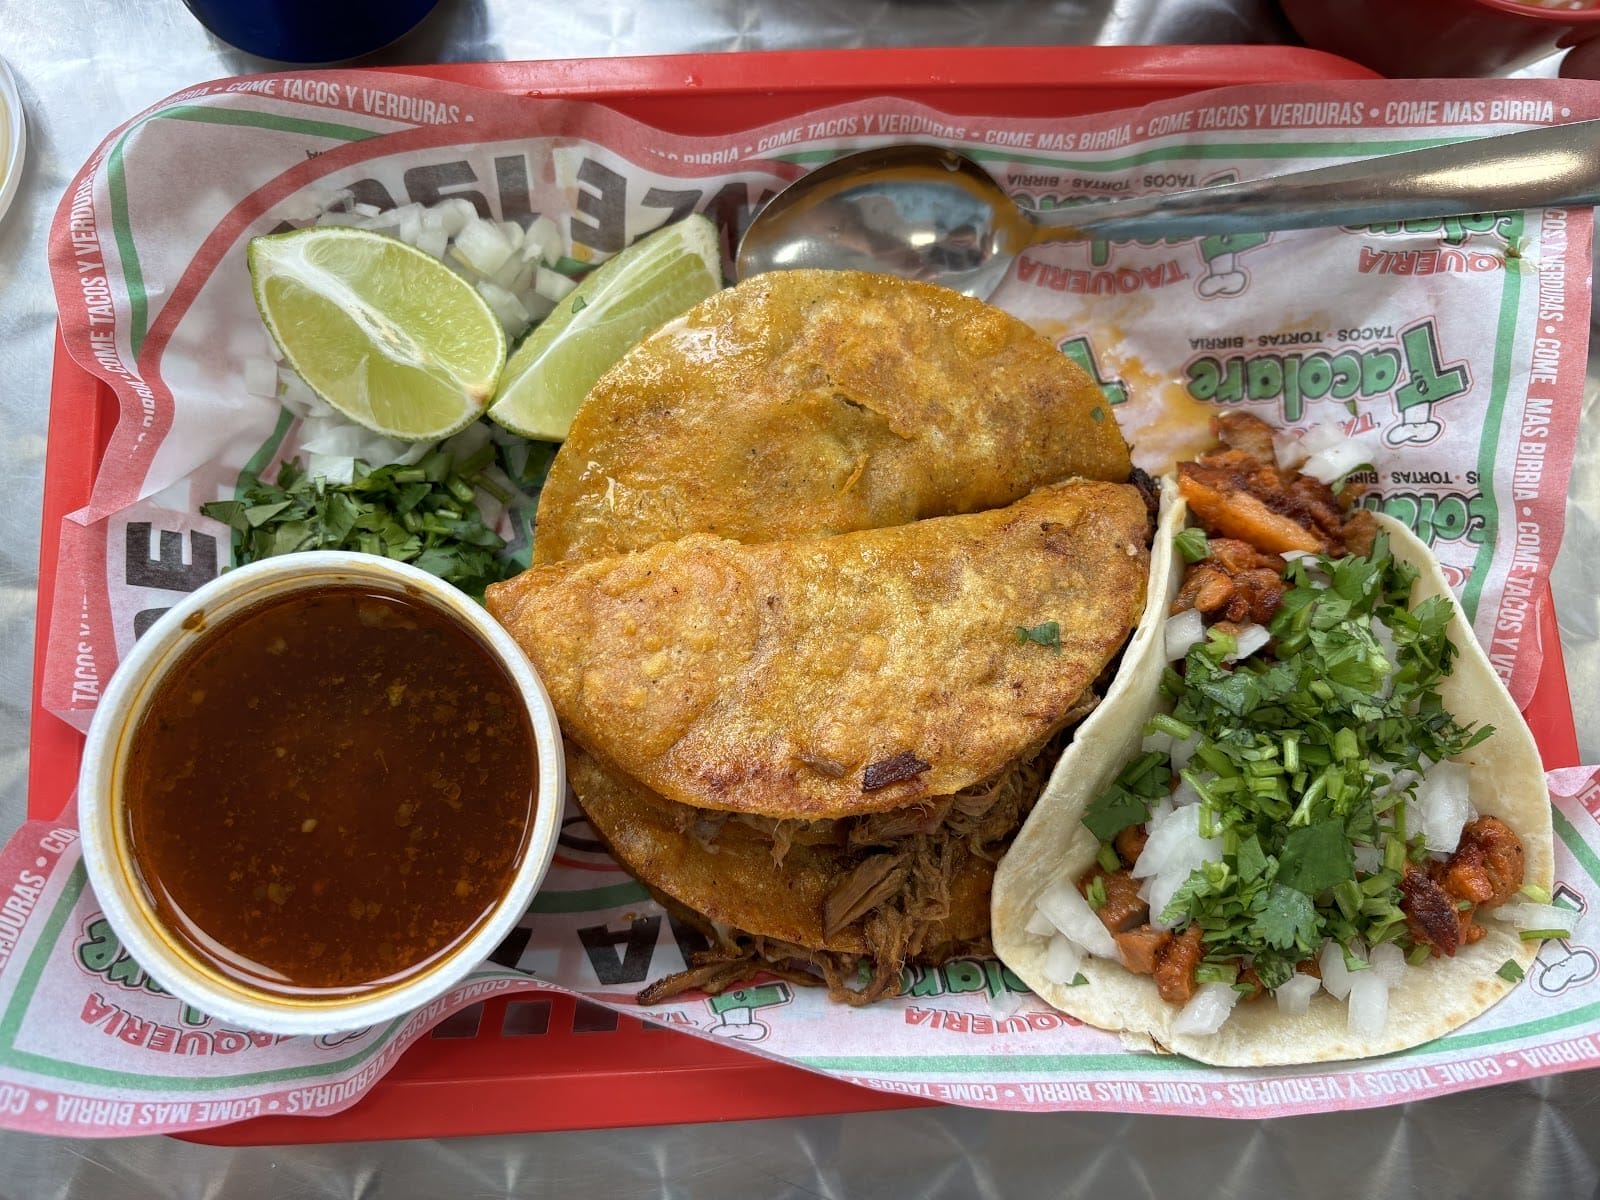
1140 948
1176 964
1431 914
1123 908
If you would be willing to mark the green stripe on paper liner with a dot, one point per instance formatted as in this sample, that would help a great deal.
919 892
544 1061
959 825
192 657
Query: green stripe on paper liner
1135 1061
117 186
1489 440
135 1081
1151 154
590 899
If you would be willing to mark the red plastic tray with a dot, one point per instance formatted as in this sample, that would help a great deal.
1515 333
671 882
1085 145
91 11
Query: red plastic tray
545 1062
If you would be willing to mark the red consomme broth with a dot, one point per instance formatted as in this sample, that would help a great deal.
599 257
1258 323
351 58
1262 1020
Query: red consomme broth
329 792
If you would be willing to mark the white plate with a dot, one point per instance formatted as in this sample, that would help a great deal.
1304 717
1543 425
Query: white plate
13 137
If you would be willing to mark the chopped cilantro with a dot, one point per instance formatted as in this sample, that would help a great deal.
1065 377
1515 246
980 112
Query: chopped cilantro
1299 754
1287 920
1315 857
1127 801
1193 545
1510 971
1046 633
425 514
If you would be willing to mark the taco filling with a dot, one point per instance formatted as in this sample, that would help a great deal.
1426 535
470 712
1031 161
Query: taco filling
1292 820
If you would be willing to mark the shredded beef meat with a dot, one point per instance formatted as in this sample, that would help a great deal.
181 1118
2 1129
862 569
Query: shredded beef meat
875 879
898 892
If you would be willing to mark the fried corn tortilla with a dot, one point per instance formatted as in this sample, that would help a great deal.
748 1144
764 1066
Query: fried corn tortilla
843 675
1507 781
807 403
735 881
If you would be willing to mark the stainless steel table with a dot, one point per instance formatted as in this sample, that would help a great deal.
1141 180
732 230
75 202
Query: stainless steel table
85 65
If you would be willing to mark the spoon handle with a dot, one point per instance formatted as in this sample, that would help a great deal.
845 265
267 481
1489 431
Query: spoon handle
1536 168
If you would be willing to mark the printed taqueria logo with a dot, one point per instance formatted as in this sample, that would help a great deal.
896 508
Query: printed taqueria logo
1213 262
99 954
1476 244
1360 366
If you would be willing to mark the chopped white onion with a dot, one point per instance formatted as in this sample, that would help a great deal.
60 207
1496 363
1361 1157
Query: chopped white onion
1172 852
335 468
1063 959
1398 783
261 377
542 241
366 210
1289 449
1186 629
513 233
1185 793
1335 975
1294 996
1369 859
1339 460
1070 913
481 246
1207 1009
552 285
1388 963
1183 751
1249 639
1525 914
330 435
1039 925
409 223
1368 1013
1443 797
1323 436
504 305
1159 740
455 213
433 241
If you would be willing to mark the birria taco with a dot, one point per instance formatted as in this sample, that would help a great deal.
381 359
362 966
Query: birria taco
825 573
1307 823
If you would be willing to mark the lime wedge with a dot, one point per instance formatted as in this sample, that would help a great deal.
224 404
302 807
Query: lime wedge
388 335
643 287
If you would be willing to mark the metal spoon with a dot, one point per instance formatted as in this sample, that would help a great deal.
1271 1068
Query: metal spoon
929 213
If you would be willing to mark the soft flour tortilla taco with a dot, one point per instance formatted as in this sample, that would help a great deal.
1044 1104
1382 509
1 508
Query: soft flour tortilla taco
1387 945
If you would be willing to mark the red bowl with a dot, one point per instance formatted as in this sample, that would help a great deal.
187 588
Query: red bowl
1425 38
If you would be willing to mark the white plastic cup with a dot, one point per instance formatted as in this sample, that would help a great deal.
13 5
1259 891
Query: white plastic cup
102 821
